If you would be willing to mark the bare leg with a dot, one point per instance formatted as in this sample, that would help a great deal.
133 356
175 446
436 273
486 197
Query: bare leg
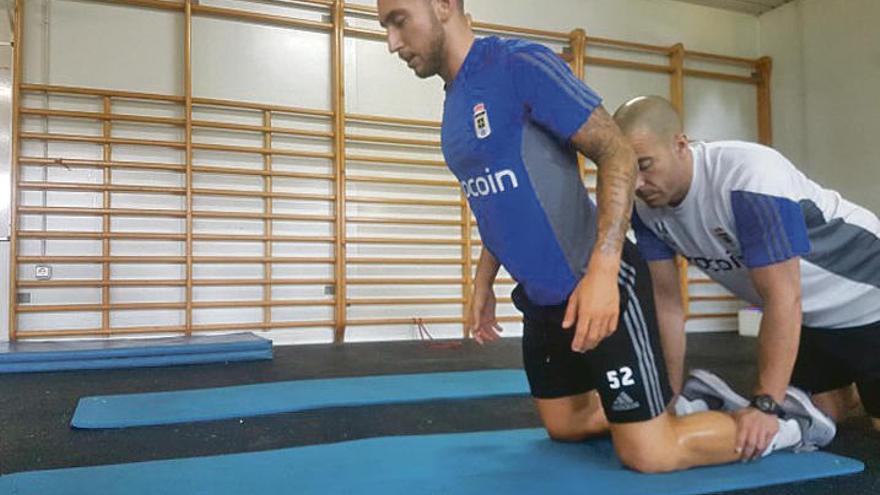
574 418
665 443
670 443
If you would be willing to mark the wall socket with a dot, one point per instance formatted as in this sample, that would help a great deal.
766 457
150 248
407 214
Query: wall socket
43 272
23 298
329 290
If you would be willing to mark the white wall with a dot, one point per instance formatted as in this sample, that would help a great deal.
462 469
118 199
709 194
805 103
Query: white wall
5 160
826 102
81 43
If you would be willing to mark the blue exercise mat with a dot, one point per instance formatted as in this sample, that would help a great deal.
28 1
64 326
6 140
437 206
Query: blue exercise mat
23 357
503 462
183 406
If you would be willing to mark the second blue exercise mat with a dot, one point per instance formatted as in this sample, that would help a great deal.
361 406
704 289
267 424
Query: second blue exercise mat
183 406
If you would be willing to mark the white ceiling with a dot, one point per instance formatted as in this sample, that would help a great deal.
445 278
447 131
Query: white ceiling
755 7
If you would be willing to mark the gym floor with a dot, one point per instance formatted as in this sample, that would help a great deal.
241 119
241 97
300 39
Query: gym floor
35 409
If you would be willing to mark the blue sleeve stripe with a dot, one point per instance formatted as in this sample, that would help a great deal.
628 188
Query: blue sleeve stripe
548 70
770 229
771 243
775 237
570 86
565 72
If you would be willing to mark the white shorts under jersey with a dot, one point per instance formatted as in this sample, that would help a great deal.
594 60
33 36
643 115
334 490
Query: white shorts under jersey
749 207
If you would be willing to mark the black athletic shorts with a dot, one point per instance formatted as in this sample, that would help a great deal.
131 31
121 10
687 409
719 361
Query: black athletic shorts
627 368
832 359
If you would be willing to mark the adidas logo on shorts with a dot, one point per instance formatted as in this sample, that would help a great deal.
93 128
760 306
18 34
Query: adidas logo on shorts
624 402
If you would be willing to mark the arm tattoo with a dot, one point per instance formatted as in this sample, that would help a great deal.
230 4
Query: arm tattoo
601 141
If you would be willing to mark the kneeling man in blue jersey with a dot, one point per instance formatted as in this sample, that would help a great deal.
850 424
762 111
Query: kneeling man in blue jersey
514 118
745 216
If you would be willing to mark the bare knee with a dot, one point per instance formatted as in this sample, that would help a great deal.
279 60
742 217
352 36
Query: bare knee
649 446
576 429
565 433
647 460
573 419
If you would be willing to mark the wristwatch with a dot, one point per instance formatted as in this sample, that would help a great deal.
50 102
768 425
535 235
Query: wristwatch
767 405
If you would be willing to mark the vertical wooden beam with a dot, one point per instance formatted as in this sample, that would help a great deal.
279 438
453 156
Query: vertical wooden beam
467 258
267 227
676 97
188 111
578 46
17 71
676 83
765 123
105 244
338 68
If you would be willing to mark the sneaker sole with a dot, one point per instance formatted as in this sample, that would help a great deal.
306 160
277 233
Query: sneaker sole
804 400
717 384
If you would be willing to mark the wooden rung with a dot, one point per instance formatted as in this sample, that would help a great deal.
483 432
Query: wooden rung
124 212
403 221
69 114
171 260
705 74
404 261
261 151
49 284
404 181
37 234
404 301
360 138
404 241
710 316
72 90
90 332
397 121
259 17
70 138
395 160
308 112
71 186
625 64
404 281
403 201
208 124
713 298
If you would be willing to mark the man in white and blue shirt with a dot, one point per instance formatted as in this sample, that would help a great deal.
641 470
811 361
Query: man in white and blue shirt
745 216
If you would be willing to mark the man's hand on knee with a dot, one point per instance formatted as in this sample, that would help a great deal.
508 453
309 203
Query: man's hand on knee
754 432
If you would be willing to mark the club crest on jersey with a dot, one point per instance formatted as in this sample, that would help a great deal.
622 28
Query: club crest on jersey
724 237
481 121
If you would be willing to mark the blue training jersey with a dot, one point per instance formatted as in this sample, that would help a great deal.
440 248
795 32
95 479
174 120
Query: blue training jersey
508 119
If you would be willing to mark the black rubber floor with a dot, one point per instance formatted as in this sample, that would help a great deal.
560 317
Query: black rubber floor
35 409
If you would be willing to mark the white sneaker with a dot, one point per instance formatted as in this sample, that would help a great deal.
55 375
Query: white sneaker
705 391
817 429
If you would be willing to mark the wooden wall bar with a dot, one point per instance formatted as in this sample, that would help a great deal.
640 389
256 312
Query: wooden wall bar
340 160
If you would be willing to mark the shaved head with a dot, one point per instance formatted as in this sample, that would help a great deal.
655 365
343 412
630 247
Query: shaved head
654 129
651 114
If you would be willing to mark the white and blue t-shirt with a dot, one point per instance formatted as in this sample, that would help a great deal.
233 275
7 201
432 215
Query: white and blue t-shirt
749 207
508 119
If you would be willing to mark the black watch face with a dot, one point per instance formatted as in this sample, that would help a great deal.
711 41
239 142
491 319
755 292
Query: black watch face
764 403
